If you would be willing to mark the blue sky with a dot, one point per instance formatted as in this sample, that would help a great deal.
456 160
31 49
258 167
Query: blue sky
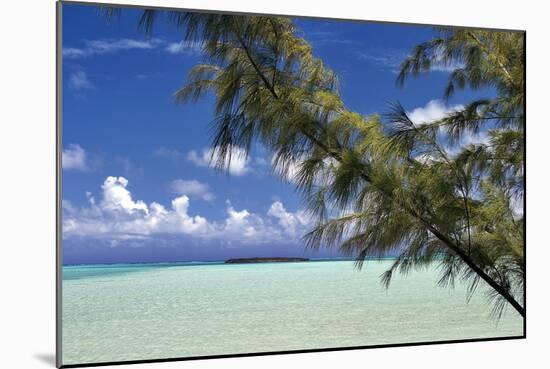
136 182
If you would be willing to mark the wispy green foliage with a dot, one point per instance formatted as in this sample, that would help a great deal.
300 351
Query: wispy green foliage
491 174
378 186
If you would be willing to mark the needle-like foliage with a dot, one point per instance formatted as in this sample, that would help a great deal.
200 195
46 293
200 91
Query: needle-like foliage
375 186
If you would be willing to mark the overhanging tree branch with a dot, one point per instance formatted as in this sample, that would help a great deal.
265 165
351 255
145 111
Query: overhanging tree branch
454 247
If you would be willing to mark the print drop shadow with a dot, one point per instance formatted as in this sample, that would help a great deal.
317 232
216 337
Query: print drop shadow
46 358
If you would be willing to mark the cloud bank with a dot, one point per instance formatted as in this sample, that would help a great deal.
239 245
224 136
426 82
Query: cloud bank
117 216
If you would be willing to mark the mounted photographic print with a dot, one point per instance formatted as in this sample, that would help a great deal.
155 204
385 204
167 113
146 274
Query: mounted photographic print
241 184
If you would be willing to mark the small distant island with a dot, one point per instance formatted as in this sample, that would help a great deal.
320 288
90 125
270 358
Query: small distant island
264 260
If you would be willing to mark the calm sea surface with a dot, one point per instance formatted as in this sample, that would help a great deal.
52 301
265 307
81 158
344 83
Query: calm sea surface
133 312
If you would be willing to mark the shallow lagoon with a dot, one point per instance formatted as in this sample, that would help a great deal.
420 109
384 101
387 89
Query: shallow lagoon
152 311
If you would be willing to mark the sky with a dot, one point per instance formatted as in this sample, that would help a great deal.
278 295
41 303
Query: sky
137 185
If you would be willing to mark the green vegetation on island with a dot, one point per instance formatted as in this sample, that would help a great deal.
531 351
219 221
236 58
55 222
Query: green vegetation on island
264 260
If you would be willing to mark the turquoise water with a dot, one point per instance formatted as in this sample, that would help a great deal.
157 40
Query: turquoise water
135 312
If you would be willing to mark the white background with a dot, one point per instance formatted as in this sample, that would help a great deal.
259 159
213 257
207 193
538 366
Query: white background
27 182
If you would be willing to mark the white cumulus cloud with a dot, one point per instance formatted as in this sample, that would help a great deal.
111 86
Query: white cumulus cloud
79 81
237 163
116 197
192 188
433 110
290 222
118 216
289 170
183 47
74 158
